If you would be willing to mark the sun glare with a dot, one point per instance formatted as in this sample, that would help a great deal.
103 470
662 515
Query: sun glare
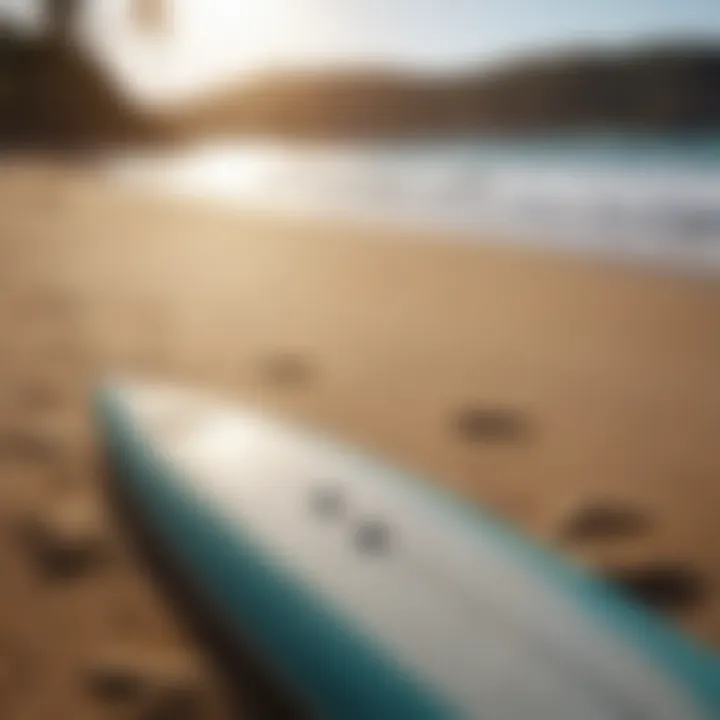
197 43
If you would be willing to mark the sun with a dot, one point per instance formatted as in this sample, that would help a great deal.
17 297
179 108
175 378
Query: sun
192 44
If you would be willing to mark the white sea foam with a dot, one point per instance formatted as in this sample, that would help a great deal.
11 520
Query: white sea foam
653 201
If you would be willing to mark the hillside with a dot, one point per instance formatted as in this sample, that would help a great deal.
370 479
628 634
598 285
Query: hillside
52 94
663 88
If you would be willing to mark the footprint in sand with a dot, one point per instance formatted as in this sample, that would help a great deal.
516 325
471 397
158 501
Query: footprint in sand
585 520
594 526
666 585
147 682
29 444
490 423
287 369
65 539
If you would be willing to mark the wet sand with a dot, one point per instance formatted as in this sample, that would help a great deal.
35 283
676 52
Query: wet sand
528 381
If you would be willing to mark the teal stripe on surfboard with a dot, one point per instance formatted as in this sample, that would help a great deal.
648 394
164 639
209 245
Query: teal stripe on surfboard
340 670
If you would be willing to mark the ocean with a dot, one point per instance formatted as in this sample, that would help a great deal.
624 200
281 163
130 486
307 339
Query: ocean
653 198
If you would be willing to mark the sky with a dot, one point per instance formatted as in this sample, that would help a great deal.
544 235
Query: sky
211 40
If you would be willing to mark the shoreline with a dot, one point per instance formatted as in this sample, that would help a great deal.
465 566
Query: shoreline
670 255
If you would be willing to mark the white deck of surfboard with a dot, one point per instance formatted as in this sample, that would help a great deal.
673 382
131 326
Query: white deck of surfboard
454 608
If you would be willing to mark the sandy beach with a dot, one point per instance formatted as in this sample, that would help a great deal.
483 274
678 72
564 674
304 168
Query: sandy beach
397 341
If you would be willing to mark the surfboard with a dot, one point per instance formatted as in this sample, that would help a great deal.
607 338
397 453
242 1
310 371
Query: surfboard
375 593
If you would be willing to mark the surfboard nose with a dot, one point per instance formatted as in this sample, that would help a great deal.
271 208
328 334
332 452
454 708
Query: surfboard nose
376 594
